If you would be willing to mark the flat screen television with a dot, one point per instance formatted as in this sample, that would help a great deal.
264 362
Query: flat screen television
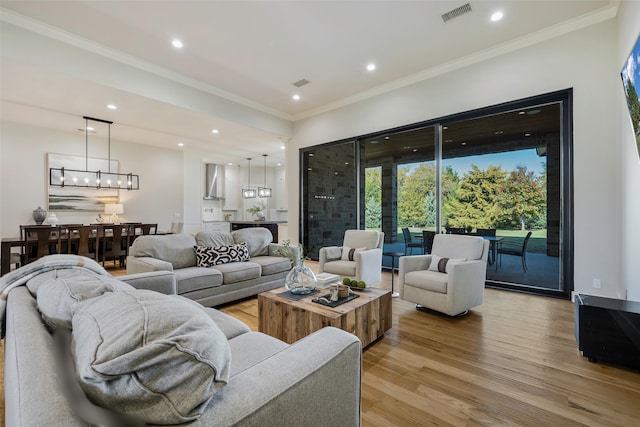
630 80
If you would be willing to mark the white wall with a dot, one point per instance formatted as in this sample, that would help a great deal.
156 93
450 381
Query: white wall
628 33
23 165
584 60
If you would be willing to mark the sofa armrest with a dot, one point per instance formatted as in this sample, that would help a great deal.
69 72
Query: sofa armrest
146 264
369 266
323 368
159 281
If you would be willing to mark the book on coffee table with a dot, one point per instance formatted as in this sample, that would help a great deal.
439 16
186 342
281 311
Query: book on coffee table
326 279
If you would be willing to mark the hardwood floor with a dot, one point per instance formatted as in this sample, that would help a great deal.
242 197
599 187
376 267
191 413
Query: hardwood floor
512 361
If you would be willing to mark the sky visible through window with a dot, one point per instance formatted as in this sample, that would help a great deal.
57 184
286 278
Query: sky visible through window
508 161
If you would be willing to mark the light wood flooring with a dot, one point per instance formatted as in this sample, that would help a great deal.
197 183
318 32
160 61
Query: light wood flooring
511 362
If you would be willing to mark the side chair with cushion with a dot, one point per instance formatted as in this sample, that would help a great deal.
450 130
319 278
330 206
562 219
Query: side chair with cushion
359 257
449 280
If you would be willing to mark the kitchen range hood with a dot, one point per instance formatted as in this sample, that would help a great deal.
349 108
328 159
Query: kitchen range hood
213 182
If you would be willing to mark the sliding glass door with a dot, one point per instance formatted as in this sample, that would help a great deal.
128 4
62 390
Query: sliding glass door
502 172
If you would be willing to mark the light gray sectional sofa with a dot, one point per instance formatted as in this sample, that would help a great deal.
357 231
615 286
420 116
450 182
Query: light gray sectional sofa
218 284
139 357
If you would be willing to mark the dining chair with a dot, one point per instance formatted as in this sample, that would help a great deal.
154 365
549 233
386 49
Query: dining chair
41 241
114 242
515 249
83 240
147 229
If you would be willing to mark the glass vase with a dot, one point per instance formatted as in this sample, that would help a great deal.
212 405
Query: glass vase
300 280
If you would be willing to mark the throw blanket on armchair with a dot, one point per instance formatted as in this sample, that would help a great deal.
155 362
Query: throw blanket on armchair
48 263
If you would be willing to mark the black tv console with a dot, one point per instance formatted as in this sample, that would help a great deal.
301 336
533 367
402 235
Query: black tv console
608 330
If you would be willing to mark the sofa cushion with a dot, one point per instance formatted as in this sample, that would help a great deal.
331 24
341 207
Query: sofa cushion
58 297
257 238
174 248
214 238
272 264
239 271
149 355
343 268
427 280
208 256
196 278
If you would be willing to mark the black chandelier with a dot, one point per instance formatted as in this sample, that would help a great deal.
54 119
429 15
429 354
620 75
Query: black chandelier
72 178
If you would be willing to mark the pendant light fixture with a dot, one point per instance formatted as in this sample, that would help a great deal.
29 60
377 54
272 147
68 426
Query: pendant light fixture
264 191
72 178
249 193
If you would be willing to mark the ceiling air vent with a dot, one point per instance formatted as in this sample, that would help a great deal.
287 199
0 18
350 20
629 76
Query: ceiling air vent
301 83
456 12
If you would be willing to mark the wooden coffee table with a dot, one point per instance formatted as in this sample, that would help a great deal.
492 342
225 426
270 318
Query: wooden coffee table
368 317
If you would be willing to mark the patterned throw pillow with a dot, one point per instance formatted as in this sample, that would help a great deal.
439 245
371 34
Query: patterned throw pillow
208 256
349 254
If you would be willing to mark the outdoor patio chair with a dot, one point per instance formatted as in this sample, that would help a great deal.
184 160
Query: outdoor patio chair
409 244
515 249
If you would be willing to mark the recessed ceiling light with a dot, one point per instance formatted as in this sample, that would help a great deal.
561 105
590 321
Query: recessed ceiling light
464 143
215 131
527 134
112 106
278 164
371 67
90 129
180 144
522 112
497 16
177 44
282 147
230 164
296 97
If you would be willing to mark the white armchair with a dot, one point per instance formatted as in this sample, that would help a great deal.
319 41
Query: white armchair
362 260
451 287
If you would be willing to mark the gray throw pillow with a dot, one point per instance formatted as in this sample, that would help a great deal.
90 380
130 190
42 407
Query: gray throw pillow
148 355
57 297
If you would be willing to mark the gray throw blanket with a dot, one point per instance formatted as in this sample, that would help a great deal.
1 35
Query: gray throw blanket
48 263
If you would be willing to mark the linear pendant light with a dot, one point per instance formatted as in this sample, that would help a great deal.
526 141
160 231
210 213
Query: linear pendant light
72 178
264 191
249 193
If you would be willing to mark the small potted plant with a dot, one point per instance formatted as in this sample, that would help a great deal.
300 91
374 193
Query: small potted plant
258 210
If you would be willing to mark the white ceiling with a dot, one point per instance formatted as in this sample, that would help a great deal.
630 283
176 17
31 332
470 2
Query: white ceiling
251 52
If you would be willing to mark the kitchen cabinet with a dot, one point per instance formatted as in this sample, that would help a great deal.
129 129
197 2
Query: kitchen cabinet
232 189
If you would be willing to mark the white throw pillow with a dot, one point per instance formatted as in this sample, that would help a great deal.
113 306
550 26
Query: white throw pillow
149 355
349 254
442 264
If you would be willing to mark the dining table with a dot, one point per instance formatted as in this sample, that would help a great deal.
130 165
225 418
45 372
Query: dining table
7 243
